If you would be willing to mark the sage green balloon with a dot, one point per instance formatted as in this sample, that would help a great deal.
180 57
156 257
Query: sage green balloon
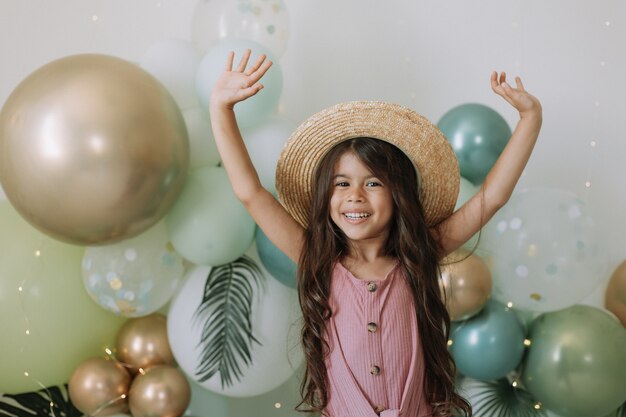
576 364
48 323
478 134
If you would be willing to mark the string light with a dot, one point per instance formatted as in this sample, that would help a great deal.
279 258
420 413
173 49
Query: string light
607 23
514 384
277 405
593 143
450 342
537 406
94 18
509 304
37 253
527 342
588 184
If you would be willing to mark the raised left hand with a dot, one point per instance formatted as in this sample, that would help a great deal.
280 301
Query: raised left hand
525 103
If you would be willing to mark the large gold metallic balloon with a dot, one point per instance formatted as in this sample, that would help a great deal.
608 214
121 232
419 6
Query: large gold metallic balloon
99 387
142 343
466 283
92 149
162 391
615 298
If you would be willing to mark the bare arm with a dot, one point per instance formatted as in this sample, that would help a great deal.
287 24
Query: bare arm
232 87
503 176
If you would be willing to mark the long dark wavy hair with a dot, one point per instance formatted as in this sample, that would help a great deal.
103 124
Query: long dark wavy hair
410 241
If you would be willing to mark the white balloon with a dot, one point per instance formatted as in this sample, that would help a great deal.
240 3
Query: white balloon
202 148
543 249
174 63
275 324
263 21
264 145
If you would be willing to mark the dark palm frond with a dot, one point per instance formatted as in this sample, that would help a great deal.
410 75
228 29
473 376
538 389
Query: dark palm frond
49 402
225 313
620 412
501 399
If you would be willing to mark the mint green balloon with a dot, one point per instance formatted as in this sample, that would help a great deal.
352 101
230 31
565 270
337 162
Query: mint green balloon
478 134
51 325
576 364
208 225
255 109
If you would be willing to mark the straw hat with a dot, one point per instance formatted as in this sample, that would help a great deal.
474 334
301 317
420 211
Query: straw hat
419 139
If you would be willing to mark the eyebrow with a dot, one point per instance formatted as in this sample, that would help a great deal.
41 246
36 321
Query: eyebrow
346 176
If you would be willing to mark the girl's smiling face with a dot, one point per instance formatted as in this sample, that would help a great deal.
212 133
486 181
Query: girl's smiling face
361 204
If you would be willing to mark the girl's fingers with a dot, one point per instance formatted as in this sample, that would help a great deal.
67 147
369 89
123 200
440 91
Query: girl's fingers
229 61
502 77
244 61
518 83
256 65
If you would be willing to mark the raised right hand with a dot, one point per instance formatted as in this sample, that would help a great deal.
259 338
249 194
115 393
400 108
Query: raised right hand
237 85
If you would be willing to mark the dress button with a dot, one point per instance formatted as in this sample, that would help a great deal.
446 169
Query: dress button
371 287
379 409
372 327
374 370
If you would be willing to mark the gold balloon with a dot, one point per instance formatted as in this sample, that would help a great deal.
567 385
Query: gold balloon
466 284
615 296
162 391
142 343
99 387
93 149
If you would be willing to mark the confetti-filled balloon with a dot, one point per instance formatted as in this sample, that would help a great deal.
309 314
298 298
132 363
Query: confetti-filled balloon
93 149
544 251
263 21
136 276
576 365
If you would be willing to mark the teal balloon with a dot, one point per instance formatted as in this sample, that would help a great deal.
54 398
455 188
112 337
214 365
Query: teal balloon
277 263
478 134
489 345
256 109
576 364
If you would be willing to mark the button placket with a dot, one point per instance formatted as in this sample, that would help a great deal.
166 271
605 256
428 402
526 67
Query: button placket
373 305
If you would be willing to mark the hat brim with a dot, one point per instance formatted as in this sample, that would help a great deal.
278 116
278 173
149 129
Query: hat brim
416 136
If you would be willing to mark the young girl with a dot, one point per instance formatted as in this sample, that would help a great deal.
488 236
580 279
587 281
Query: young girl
367 193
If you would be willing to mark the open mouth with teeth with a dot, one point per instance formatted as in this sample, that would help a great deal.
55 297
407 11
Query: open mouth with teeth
356 216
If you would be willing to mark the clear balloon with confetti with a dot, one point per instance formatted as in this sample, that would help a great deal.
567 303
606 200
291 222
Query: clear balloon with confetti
134 277
544 251
263 21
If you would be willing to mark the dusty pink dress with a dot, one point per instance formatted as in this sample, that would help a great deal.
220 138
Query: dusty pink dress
375 366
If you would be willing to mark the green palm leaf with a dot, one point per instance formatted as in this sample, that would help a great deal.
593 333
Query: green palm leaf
500 399
225 311
51 401
620 412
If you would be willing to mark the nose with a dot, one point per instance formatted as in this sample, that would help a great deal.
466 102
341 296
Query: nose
355 195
